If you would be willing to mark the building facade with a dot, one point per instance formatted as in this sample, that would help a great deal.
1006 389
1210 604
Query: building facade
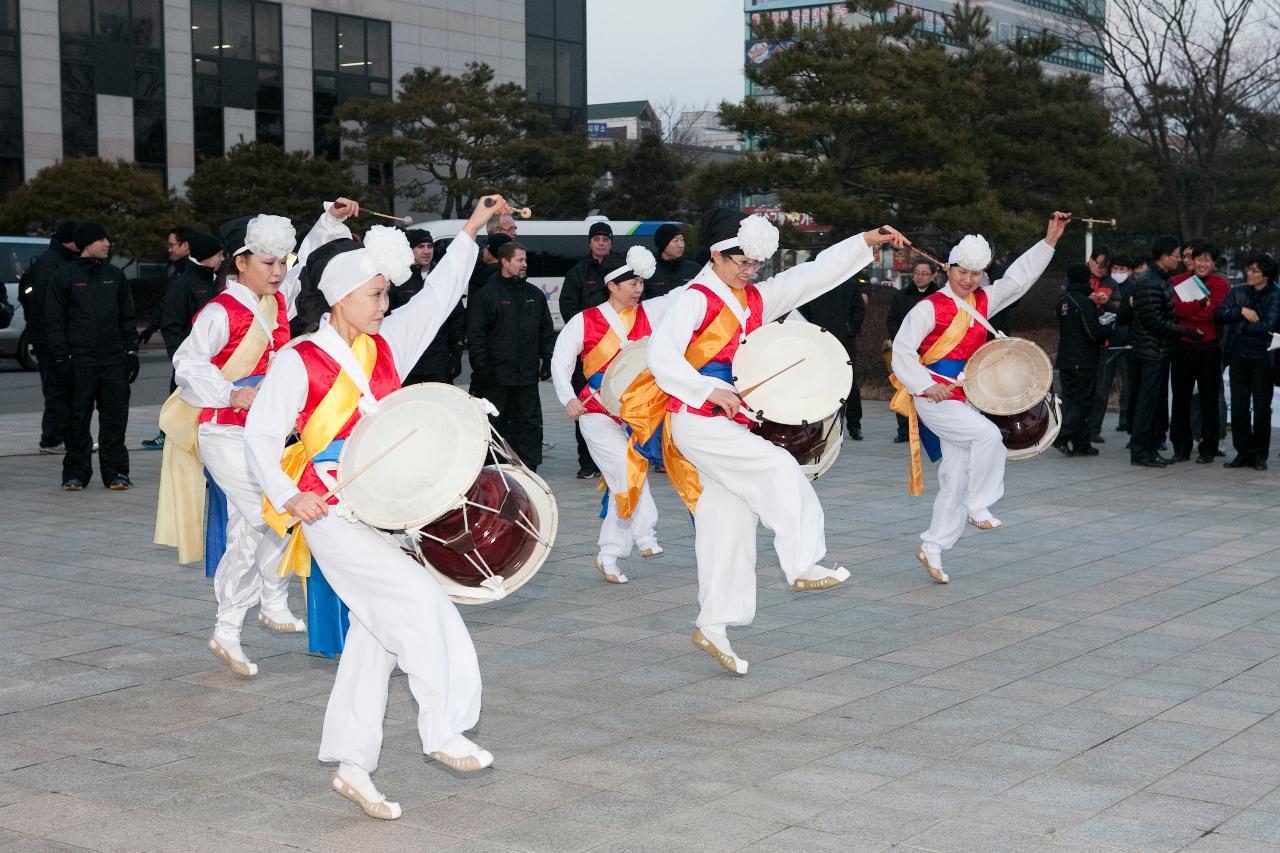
165 83
1010 20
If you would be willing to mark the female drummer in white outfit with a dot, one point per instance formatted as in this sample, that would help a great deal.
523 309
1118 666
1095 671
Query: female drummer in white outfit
606 437
246 574
745 479
400 615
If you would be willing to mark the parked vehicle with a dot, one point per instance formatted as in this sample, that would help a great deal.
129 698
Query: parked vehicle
16 254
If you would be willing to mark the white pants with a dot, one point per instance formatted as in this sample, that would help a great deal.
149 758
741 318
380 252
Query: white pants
607 442
400 616
971 474
246 575
745 479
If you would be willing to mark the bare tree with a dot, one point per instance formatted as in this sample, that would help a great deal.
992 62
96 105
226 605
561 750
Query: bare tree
1182 77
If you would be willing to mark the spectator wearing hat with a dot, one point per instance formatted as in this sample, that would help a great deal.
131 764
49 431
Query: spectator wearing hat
191 289
584 287
442 359
32 288
1081 336
93 343
1251 313
674 269
487 267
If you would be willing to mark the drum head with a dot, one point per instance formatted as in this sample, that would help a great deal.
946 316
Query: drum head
427 473
626 366
1007 376
808 392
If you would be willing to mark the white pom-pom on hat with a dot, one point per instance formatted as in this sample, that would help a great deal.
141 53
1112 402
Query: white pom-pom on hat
390 251
642 261
971 253
269 236
758 238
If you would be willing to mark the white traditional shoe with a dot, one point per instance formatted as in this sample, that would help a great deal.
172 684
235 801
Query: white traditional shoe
612 577
835 576
380 808
283 622
233 657
651 552
474 758
988 523
934 569
728 659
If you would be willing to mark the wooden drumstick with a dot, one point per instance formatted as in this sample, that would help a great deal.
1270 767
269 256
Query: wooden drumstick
1110 222
406 220
796 363
959 381
929 257
522 212
363 468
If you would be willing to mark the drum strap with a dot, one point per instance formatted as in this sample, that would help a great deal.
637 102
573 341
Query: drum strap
968 306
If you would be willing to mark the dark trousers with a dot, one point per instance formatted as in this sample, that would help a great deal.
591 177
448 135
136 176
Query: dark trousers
519 419
415 377
106 388
1111 363
1251 383
1199 367
853 403
584 453
1150 411
53 424
1079 384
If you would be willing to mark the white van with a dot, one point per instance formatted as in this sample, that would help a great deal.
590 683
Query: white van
16 254
555 245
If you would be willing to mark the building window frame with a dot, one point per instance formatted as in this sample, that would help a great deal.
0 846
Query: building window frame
255 82
350 58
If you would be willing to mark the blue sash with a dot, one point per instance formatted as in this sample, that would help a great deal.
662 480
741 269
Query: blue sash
327 617
950 368
215 513
718 369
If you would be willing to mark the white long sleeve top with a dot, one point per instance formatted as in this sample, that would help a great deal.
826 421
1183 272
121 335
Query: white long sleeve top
779 294
919 322
408 332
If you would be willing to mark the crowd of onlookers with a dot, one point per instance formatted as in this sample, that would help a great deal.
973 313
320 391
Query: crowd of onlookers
1166 326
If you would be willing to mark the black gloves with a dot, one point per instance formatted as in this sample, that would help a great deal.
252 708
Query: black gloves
131 366
145 335
455 367
545 373
1196 335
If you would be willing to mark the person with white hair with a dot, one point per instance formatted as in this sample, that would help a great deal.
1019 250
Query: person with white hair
399 614
597 334
217 368
936 338
730 478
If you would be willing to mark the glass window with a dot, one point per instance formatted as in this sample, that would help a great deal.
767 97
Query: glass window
208 131
574 57
540 73
10 120
76 18
540 18
323 42
270 127
206 67
9 14
146 23
207 90
148 85
571 20
205 36
112 19
79 125
237 30
148 132
379 37
351 55
379 88
266 32
77 77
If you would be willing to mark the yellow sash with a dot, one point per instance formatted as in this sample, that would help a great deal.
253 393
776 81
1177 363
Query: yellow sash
335 409
904 404
604 351
644 408
180 507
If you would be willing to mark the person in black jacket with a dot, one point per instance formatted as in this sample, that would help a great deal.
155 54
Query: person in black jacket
1081 336
190 290
93 340
674 270
584 287
32 288
924 280
1251 313
1155 330
510 339
442 359
841 311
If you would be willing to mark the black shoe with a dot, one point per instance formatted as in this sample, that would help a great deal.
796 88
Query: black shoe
855 433
119 484
1202 459
1181 457
1097 438
1085 451
1122 428
72 486
1238 462
587 473
1168 460
900 439
1152 462
1259 466
1218 454
1063 448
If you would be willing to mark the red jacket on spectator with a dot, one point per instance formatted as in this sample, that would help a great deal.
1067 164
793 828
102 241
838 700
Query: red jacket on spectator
1199 315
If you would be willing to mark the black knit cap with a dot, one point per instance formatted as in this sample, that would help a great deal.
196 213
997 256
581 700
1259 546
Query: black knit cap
66 231
598 228
1078 273
417 236
496 242
204 246
233 233
88 233
664 235
722 224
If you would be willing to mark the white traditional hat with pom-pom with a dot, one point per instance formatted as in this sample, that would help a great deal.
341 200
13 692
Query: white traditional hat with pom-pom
971 253
386 252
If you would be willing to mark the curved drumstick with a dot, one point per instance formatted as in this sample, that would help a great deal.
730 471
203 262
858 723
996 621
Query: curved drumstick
407 220
363 468
795 363
522 212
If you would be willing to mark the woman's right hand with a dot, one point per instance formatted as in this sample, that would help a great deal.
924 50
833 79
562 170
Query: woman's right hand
727 400
307 506
575 409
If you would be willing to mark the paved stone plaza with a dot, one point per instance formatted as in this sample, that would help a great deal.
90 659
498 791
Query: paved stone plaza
1103 673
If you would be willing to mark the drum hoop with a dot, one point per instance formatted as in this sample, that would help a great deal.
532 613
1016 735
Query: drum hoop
613 405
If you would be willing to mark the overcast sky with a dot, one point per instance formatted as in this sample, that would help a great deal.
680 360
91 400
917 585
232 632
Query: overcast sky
689 51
